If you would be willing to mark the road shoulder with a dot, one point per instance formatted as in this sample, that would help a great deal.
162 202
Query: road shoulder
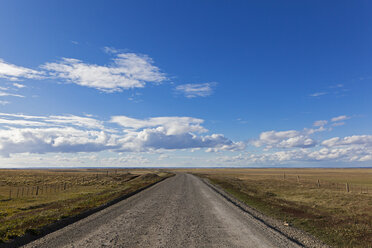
296 235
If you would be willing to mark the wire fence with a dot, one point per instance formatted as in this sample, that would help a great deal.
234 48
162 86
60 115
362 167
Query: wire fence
64 184
327 184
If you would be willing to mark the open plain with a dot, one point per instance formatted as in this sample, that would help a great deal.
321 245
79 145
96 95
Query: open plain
181 211
211 208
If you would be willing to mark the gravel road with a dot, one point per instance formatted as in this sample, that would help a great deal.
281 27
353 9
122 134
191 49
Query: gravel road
181 211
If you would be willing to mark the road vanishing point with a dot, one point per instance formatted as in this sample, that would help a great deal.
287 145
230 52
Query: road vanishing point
181 211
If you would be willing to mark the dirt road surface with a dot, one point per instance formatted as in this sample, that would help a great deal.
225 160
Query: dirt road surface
181 211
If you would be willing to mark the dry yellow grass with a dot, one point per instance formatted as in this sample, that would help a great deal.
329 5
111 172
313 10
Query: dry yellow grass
326 210
41 197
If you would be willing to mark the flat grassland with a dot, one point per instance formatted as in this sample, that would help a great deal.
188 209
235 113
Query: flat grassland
31 199
334 205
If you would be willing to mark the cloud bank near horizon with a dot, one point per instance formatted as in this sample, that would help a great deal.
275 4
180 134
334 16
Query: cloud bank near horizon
73 134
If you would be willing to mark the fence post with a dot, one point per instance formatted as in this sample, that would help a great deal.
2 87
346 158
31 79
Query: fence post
298 179
37 190
17 192
10 193
318 183
347 187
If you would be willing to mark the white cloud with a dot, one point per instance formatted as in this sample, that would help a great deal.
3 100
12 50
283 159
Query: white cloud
340 118
299 146
284 139
122 135
170 125
128 70
320 123
169 133
110 50
79 121
342 154
364 140
336 124
71 134
157 138
53 120
24 123
19 85
14 72
163 156
4 102
44 140
318 94
4 93
196 90
356 148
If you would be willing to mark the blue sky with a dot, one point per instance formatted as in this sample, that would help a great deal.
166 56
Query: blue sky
193 83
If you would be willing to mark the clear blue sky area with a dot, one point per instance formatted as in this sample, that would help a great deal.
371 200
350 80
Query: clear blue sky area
185 83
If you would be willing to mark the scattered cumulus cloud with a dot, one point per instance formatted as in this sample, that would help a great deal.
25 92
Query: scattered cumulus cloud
128 70
169 133
363 140
293 138
320 123
13 72
4 93
282 147
284 139
340 118
196 90
171 125
335 90
110 50
345 154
